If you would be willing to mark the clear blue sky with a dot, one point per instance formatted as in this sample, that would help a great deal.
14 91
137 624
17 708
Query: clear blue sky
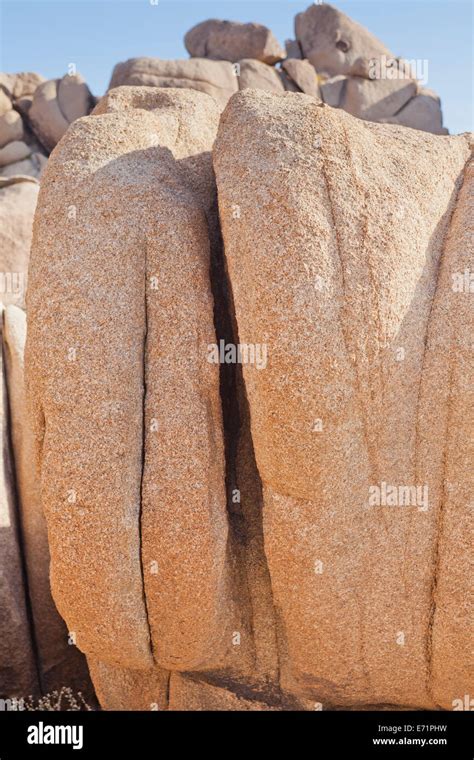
47 35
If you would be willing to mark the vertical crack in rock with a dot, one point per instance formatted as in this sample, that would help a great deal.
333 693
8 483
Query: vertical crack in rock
142 474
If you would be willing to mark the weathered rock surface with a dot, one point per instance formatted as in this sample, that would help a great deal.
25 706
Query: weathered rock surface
216 78
180 520
5 102
18 196
59 663
233 41
120 535
128 689
341 294
334 43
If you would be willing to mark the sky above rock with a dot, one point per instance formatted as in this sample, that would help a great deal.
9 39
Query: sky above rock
48 35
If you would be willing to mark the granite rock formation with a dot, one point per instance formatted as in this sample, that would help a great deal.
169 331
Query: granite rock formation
235 459
195 573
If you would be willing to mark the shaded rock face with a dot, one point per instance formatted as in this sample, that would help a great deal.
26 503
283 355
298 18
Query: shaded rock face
232 41
186 501
352 294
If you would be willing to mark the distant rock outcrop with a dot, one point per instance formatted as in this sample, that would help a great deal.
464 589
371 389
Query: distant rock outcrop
232 41
34 115
333 58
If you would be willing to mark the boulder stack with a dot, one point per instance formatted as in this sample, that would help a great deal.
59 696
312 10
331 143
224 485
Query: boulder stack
34 114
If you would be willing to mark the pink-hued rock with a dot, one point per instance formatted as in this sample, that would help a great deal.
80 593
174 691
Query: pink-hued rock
333 261
120 314
74 97
127 689
5 103
293 49
233 41
332 90
13 152
31 166
190 694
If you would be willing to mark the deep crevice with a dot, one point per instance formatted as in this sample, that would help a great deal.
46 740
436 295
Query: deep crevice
233 402
142 475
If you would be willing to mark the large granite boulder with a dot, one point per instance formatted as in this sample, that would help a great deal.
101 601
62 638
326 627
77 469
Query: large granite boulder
341 260
139 564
